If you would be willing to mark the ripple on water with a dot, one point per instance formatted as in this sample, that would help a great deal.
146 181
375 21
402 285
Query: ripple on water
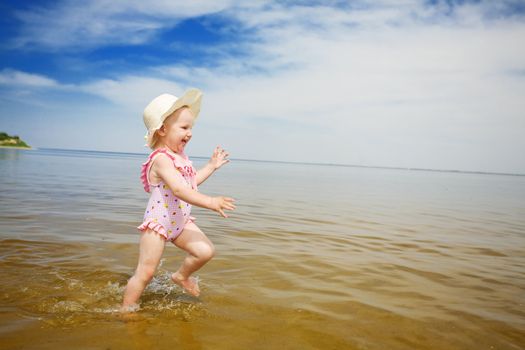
68 283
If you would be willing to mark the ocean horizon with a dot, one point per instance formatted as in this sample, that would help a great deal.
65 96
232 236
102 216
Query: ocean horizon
145 154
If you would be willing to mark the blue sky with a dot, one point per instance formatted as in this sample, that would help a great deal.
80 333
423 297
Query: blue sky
428 84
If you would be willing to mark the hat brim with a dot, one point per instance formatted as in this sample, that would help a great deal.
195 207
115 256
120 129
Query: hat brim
192 99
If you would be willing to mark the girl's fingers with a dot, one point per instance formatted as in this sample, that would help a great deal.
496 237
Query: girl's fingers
225 203
228 203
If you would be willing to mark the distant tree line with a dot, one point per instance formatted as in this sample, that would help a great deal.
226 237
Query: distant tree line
11 141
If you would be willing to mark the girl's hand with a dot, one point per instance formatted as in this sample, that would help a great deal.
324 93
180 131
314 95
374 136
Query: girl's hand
218 204
219 158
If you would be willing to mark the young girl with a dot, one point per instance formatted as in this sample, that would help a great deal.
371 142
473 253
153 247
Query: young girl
172 181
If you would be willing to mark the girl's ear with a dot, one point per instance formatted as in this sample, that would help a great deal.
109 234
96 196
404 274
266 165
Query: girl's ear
162 130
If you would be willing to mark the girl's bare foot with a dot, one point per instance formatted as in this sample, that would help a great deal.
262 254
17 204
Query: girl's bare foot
191 285
129 313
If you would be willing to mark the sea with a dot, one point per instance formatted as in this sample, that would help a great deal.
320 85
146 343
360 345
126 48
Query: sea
315 256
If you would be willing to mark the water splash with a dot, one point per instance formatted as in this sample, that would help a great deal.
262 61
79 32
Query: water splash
99 297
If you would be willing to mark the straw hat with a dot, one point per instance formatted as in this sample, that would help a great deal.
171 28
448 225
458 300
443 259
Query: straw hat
164 105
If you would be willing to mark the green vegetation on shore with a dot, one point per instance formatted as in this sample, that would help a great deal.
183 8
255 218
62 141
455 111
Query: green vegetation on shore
12 141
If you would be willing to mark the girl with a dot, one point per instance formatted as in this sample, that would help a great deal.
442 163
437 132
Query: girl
172 181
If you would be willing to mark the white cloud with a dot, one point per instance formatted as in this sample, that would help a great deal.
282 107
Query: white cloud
80 25
407 94
11 77
130 92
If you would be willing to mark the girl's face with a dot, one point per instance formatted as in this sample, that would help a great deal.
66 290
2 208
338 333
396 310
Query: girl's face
176 131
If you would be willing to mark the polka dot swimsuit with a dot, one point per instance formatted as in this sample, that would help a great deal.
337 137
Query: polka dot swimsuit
165 213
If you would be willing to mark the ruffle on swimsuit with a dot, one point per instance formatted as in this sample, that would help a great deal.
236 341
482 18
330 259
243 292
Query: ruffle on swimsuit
186 169
155 226
165 213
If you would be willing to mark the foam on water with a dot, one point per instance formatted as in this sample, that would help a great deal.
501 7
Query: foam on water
161 294
63 294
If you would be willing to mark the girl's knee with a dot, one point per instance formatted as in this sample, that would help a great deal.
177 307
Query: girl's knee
205 252
145 273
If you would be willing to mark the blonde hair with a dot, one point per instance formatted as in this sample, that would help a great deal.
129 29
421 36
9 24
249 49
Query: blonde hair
155 139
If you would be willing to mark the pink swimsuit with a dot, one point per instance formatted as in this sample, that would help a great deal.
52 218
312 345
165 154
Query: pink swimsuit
165 213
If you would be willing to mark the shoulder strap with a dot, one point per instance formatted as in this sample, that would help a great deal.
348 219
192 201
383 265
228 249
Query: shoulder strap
146 166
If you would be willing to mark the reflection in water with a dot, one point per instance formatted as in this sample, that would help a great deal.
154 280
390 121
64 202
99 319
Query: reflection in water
141 335
9 153
365 258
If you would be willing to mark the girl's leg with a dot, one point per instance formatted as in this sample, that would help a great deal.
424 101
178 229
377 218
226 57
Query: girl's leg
151 248
200 251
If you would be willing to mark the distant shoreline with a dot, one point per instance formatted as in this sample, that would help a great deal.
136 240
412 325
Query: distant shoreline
16 147
7 140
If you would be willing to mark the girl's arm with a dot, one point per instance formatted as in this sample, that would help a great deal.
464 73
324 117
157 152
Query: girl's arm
164 169
218 159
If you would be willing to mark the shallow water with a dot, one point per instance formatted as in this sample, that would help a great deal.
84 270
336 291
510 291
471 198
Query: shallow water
315 257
